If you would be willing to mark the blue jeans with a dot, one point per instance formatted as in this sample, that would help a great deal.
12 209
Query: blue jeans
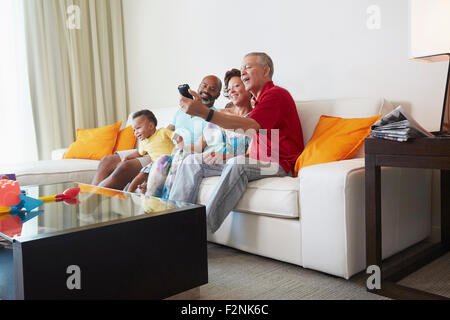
235 174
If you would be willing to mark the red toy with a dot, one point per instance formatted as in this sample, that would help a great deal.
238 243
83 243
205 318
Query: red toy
67 194
9 193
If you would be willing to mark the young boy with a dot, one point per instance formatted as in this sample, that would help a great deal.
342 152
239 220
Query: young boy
152 141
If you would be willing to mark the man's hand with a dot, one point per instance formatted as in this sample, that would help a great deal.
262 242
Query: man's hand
194 107
222 119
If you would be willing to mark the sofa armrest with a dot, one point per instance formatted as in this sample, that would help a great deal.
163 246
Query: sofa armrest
332 210
58 154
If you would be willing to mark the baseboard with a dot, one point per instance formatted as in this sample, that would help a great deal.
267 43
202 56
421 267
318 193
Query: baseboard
435 236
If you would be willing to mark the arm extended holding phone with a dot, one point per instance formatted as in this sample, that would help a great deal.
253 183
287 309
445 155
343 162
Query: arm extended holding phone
194 107
184 91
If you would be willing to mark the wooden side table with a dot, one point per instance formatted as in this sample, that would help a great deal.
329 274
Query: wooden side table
427 153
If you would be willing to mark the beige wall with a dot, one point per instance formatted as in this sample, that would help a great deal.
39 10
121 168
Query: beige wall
321 50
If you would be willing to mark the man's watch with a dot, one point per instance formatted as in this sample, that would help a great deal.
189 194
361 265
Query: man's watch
210 115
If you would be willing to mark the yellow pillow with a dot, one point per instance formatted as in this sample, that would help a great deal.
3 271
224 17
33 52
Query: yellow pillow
125 140
94 143
334 139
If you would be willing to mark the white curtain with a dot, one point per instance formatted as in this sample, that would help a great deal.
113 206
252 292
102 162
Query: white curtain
17 132
77 72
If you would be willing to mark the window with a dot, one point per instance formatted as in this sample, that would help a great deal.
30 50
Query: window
17 134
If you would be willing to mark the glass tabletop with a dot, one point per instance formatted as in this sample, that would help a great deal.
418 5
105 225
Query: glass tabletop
91 207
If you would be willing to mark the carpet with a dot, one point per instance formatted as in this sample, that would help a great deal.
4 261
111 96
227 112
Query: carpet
433 277
237 275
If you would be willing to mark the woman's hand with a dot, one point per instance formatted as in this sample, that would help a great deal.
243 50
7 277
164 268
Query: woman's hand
179 140
142 188
213 158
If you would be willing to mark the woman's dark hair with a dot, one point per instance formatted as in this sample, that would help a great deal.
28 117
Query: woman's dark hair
150 116
228 75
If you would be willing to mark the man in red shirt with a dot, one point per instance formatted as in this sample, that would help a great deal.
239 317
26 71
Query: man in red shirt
276 143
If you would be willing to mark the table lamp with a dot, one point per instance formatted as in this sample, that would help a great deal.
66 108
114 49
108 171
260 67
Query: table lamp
430 42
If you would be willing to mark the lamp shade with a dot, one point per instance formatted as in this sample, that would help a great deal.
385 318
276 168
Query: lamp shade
429 27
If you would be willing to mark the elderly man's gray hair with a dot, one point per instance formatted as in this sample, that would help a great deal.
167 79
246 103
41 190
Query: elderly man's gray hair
264 60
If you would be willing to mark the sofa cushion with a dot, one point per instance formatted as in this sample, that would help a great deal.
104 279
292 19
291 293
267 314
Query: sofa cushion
310 111
263 196
126 139
335 139
53 171
94 143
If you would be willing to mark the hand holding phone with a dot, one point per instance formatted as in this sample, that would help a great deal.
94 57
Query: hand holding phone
183 89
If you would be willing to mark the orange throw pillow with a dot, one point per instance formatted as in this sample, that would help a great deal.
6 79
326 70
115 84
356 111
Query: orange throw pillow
335 139
94 143
125 140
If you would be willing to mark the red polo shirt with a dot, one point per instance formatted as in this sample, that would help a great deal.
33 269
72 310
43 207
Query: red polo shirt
275 109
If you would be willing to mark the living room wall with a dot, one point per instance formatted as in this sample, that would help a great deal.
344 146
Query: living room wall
321 49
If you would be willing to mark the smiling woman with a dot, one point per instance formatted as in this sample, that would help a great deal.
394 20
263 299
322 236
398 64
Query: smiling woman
17 134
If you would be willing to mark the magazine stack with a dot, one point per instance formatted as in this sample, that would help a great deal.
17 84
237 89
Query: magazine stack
398 125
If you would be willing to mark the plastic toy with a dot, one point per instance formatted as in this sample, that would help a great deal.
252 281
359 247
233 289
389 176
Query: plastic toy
9 176
11 226
9 193
12 199
67 194
27 215
25 202
4 215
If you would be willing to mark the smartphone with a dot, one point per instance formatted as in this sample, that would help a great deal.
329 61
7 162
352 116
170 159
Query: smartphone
183 89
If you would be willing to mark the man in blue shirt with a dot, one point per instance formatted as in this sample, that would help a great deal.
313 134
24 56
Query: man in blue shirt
191 128
115 172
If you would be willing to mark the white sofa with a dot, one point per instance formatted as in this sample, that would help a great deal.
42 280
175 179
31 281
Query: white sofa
316 220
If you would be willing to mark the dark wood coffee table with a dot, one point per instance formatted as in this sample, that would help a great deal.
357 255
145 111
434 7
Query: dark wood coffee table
112 245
